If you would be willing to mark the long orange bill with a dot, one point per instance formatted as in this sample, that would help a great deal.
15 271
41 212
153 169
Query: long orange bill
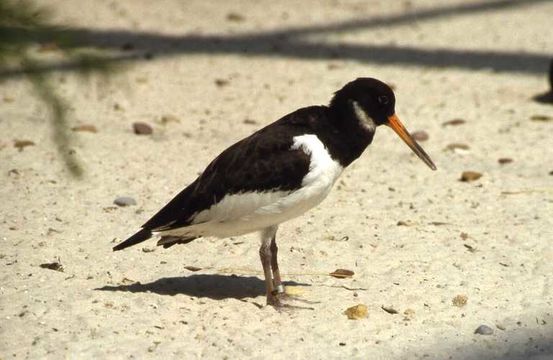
397 126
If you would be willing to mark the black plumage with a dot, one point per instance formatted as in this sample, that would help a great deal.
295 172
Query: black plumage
313 143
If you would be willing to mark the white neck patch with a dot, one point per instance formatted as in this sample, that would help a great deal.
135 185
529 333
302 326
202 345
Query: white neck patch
364 119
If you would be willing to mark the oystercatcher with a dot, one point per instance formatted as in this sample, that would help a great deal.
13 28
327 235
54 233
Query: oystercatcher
278 173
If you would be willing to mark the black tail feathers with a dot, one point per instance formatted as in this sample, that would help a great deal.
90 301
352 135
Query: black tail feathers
142 235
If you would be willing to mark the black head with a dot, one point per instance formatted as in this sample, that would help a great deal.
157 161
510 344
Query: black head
374 97
368 103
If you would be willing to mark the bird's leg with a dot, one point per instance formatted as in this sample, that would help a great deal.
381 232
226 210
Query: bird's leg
277 281
275 290
265 256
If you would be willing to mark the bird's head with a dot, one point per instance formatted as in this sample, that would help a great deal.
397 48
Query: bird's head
371 103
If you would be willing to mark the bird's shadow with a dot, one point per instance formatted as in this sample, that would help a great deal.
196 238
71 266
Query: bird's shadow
213 286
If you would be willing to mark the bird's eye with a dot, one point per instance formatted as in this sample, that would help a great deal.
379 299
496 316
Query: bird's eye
383 100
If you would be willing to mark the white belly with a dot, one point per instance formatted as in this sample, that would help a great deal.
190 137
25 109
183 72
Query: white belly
243 213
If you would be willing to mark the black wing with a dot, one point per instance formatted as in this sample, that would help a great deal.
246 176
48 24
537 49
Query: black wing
263 161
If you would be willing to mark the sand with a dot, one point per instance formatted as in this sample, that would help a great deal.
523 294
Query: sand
447 256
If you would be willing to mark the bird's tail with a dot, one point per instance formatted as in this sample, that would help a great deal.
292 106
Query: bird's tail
142 235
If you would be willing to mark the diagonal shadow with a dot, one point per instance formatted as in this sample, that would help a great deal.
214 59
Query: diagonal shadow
213 286
288 43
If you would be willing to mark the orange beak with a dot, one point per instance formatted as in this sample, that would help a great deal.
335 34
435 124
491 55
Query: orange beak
397 126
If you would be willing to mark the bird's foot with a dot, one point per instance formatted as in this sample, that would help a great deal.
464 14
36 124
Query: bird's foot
283 301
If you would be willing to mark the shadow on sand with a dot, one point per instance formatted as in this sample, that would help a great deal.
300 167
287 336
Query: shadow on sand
213 286
296 42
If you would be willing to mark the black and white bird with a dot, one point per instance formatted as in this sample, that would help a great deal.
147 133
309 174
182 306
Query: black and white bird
278 173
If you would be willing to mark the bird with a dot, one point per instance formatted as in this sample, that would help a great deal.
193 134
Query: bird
278 173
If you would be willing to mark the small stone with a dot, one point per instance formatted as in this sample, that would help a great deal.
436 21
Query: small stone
470 248
124 201
389 309
221 82
52 266
235 17
504 161
250 122
141 128
460 300
541 118
468 176
454 122
357 312
85 128
483 330
458 147
420 135
192 268
342 273
21 144
405 223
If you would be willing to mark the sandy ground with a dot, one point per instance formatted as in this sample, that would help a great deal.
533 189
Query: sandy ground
222 71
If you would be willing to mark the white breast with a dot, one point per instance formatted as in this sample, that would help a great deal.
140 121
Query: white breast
243 213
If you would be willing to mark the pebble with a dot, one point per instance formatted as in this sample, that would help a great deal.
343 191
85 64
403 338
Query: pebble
483 330
454 122
420 135
389 309
503 161
541 118
342 273
235 17
21 144
405 223
458 147
221 82
52 266
141 128
468 176
192 268
124 201
357 312
460 300
85 128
